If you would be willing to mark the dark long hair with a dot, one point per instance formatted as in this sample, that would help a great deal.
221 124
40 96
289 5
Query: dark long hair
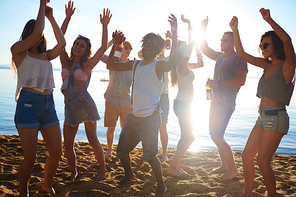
278 44
27 31
182 45
85 56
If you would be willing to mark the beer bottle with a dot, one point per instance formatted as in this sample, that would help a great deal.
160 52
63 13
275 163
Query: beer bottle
209 91
118 51
168 42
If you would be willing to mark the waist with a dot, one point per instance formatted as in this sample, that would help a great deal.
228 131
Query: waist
45 92
265 101
279 107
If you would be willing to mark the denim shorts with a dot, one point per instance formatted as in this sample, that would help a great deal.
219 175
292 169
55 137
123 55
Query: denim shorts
182 107
35 111
219 117
274 118
164 106
138 129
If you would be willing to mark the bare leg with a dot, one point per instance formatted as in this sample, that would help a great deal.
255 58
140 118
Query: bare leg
164 138
223 167
69 138
269 143
187 138
53 139
91 133
110 138
226 151
28 139
248 154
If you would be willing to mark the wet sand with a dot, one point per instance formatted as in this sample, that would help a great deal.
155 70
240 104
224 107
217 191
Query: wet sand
199 181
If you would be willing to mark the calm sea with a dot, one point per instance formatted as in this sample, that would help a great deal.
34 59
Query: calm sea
237 132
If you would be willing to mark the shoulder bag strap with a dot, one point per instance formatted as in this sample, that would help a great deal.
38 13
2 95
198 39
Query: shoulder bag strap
134 71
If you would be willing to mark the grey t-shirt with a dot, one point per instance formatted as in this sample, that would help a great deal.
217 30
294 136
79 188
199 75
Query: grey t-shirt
225 70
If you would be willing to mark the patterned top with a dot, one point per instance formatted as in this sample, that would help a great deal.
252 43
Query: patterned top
34 73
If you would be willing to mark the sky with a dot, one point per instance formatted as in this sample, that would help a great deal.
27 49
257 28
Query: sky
135 18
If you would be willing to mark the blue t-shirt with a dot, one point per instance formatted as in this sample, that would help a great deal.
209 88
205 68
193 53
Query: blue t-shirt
225 70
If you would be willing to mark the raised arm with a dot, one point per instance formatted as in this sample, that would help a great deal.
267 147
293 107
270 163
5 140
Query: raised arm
209 52
286 39
199 59
118 38
105 19
182 66
260 62
27 43
51 54
163 66
69 9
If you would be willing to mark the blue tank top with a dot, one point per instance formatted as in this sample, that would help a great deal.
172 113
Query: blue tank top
275 87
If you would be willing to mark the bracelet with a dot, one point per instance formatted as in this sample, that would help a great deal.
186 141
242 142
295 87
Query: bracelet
174 37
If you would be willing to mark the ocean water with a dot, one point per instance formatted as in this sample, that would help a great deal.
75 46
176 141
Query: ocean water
237 132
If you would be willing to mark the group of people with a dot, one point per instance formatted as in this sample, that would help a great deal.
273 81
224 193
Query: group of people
137 93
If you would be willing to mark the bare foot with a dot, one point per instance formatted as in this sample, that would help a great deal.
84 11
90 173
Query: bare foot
163 158
108 153
49 190
229 175
161 190
102 175
73 176
183 171
127 178
174 172
218 170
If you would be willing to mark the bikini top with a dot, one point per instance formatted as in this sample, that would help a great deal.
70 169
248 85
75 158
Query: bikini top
78 74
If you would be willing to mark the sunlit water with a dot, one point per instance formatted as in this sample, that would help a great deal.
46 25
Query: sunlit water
237 132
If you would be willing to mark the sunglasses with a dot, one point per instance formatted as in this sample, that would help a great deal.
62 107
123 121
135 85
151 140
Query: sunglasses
85 38
127 47
225 40
264 45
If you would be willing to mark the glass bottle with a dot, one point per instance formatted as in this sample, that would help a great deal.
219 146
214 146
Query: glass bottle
208 91
168 42
118 52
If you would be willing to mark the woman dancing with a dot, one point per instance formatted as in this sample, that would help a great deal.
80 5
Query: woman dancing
183 77
79 106
275 89
35 106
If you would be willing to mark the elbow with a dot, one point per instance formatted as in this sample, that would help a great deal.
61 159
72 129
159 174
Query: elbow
242 82
63 43
240 53
287 40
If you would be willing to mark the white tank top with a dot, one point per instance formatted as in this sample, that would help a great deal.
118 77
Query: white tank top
147 90
34 73
185 86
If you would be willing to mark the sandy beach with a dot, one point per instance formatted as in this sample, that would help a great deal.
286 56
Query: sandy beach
199 181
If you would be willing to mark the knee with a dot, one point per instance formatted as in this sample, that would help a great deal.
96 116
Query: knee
57 153
216 139
68 147
191 139
263 163
121 155
29 160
